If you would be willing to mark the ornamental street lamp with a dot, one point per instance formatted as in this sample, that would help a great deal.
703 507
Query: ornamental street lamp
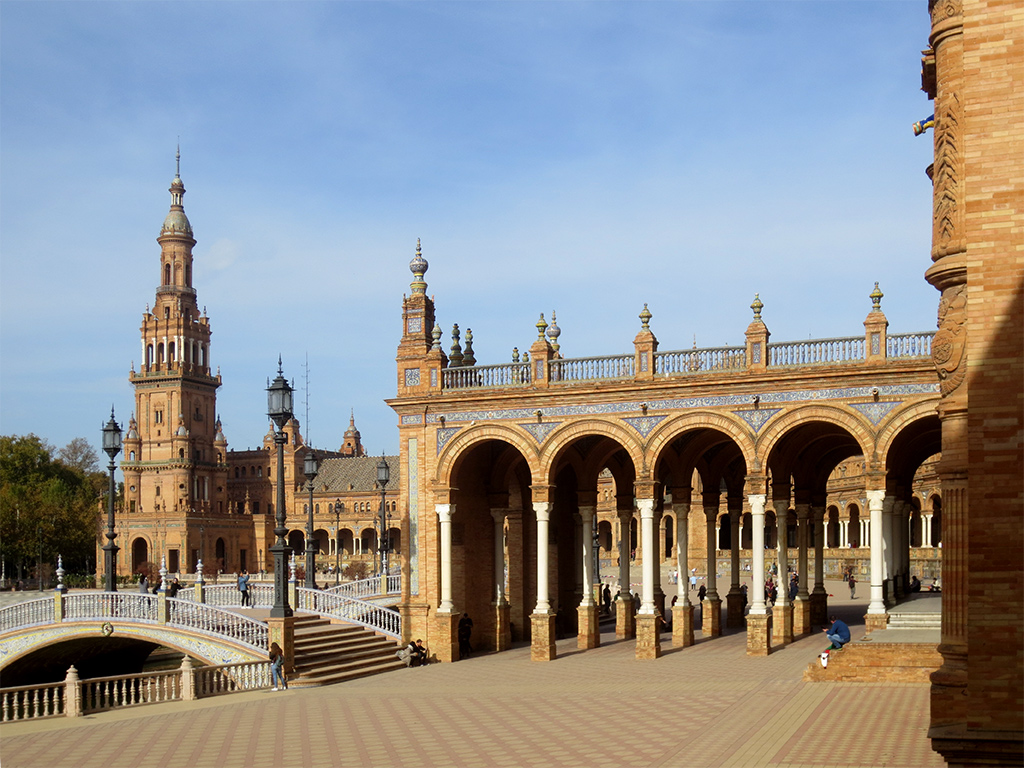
279 409
337 540
383 475
311 469
112 447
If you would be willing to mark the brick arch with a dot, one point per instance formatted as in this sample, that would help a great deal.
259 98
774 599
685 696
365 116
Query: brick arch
560 439
731 426
899 420
469 437
848 419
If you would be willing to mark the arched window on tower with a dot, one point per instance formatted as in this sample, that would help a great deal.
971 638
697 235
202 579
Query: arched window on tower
170 351
167 274
188 275
160 352
149 354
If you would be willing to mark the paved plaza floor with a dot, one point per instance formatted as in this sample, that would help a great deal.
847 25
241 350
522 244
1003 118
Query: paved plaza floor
708 705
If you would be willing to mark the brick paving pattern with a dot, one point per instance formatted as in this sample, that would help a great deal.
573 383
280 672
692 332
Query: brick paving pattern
709 705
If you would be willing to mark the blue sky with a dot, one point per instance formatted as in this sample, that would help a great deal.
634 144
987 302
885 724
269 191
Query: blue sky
583 157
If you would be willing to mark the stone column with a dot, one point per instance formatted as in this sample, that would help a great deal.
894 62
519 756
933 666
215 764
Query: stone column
625 616
588 635
682 611
802 604
888 562
758 638
542 620
659 593
648 622
444 639
876 617
518 610
711 609
819 597
782 611
926 529
734 600
502 630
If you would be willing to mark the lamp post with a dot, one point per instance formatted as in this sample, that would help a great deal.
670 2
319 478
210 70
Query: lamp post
279 409
311 469
383 475
112 447
337 541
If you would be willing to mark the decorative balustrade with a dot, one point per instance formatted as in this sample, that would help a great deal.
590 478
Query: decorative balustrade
103 693
387 621
228 596
816 352
592 368
480 376
73 697
909 345
229 678
86 606
31 702
368 587
26 614
700 360
208 619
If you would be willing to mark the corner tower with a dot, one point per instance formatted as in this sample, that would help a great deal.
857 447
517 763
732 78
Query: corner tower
174 461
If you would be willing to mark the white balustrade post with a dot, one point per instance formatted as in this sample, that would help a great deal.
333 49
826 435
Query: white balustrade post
188 680
757 604
542 509
72 694
877 604
444 517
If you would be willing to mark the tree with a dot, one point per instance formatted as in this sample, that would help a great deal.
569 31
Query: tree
80 455
45 506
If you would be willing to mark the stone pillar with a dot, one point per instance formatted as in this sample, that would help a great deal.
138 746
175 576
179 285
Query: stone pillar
188 680
758 637
926 529
281 630
502 630
711 609
444 638
734 600
876 617
659 593
625 616
73 693
588 634
782 611
888 562
802 604
648 622
819 597
682 611
518 616
542 646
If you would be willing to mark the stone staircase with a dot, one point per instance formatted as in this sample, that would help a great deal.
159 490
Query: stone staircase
906 651
327 653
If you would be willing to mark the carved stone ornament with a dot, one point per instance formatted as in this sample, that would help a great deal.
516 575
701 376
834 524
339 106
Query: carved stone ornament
947 173
949 346
945 9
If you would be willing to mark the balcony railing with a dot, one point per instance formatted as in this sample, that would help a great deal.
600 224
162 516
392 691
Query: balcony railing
493 376
909 345
700 361
816 352
592 368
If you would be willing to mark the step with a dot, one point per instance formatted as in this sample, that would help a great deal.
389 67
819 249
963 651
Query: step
870 661
342 674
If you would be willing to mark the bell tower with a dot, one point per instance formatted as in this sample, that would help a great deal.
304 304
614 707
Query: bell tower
175 462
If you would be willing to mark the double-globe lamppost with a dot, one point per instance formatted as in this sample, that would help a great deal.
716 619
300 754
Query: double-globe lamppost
311 470
112 447
279 409
383 475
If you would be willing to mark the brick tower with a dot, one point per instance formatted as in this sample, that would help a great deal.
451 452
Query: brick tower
174 452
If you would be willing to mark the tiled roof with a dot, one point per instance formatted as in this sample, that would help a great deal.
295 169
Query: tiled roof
361 472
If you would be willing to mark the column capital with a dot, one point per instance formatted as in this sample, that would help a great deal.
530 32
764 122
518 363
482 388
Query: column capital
756 502
875 499
542 509
444 512
711 513
802 511
681 509
645 507
499 514
587 512
624 515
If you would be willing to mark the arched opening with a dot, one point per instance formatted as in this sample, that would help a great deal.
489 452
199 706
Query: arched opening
220 552
140 554
167 274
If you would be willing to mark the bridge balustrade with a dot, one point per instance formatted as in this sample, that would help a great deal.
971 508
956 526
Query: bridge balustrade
106 605
387 621
364 588
119 691
208 619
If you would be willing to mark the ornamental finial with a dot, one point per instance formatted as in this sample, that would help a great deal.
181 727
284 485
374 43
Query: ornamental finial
876 299
645 317
541 327
418 266
757 306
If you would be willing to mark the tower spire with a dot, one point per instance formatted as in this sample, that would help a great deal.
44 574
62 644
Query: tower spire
177 162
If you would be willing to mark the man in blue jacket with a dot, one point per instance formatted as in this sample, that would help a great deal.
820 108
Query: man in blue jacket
838 633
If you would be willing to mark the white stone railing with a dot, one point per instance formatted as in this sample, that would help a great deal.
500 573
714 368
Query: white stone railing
228 596
480 376
215 621
31 702
109 605
387 621
120 691
368 587
591 368
816 352
26 614
73 697
909 345
700 360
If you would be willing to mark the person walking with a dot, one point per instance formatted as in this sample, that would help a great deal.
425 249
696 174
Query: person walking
243 586
277 675
853 586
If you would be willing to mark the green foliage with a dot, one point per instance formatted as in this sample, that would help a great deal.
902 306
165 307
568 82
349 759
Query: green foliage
46 505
